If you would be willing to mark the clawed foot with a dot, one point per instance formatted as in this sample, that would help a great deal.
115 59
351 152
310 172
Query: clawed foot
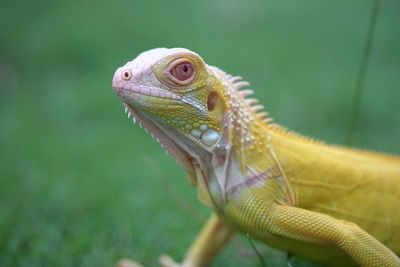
128 263
165 260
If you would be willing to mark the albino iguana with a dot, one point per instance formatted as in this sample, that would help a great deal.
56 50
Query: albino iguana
324 203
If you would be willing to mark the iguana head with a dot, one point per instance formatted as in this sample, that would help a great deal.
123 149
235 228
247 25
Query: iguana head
177 91
194 110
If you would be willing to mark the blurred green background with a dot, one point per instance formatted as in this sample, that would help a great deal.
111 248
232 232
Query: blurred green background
81 186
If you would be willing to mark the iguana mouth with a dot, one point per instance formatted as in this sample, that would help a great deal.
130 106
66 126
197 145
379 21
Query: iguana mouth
126 91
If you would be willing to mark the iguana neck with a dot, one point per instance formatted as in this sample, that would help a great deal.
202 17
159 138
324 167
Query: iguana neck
246 155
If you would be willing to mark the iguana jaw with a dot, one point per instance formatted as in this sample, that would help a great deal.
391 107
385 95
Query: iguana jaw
158 132
142 97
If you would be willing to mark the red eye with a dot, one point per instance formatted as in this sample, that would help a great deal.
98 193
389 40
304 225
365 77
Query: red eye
182 71
126 75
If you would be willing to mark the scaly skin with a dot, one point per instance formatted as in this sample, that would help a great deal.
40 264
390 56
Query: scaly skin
325 203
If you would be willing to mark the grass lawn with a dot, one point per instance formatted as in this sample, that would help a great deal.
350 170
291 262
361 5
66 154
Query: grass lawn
81 186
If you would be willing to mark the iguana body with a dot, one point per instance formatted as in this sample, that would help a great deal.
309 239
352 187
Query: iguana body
329 204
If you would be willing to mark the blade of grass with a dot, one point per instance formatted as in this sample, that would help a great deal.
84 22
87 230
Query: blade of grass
362 72
259 256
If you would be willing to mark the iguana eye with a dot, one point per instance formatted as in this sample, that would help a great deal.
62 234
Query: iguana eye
126 75
182 71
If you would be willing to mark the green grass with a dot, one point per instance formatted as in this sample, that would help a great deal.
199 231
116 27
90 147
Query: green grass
81 186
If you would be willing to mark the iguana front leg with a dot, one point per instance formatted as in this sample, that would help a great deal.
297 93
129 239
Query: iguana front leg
211 239
309 226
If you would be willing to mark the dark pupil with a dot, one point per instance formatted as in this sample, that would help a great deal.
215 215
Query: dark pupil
185 68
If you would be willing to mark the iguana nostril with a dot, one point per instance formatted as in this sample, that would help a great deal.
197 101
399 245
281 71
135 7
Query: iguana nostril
126 75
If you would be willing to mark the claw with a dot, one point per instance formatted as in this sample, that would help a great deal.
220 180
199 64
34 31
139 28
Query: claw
128 263
165 260
168 261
